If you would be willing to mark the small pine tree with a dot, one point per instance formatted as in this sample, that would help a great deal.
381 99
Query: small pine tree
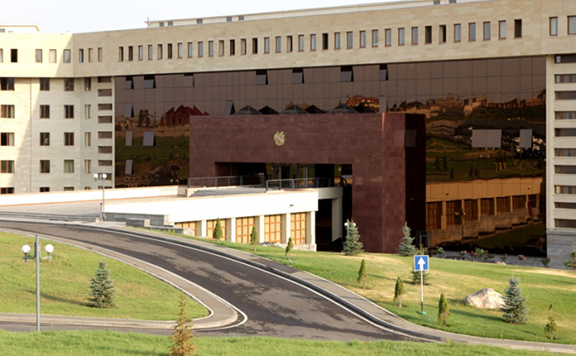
515 310
398 291
416 277
443 310
571 261
362 274
551 327
254 238
289 247
183 336
102 288
452 174
352 245
218 230
444 163
406 247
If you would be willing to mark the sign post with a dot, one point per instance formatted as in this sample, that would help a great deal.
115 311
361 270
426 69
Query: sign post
421 264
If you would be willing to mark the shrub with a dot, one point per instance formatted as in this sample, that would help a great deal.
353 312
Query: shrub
443 310
406 247
102 288
416 277
515 310
571 262
398 291
362 274
288 251
352 245
218 234
551 327
183 336
254 238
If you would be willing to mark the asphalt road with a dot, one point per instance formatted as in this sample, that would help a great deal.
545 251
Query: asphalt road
274 306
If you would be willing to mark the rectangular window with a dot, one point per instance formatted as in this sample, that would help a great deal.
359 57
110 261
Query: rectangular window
401 36
150 52
7 190
297 76
159 52
565 169
68 84
221 48
1 55
312 42
433 216
106 92
121 54
7 139
324 41
362 39
90 55
487 206
104 134
346 74
7 166
254 46
472 31
87 139
567 58
140 53
44 166
337 40
68 111
44 138
572 25
553 26
130 53
566 95
104 149
442 33
104 106
7 111
80 55
289 44
68 138
487 31
558 189
261 77
14 56
278 44
180 50
349 40
414 35
375 37
301 43
68 166
104 163
266 44
169 51
44 189
200 49
428 34
232 47
53 58
565 132
45 84
502 30
566 115
210 48
518 28
565 152
100 54
44 111
38 56
87 111
87 166
7 84
566 78
503 204
388 35
87 84
105 119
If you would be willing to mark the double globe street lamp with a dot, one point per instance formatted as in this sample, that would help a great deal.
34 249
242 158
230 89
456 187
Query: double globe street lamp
102 176
37 256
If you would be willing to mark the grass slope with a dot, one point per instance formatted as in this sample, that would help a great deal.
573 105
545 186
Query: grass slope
456 279
65 285
84 343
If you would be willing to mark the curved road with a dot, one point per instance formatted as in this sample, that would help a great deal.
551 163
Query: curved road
274 306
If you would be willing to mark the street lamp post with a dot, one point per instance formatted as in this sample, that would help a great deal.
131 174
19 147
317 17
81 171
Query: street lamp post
37 256
103 177
348 225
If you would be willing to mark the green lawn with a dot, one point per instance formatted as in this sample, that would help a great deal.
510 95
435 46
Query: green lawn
456 279
84 343
65 285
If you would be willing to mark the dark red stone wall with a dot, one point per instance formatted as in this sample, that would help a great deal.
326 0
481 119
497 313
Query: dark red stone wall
372 143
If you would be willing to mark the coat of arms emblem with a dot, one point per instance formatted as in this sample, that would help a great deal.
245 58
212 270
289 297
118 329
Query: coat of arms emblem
280 138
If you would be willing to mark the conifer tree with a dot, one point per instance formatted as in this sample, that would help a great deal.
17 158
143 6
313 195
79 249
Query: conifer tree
443 310
406 247
551 327
416 277
515 310
102 288
183 336
288 251
571 262
254 237
398 291
362 274
352 245
218 230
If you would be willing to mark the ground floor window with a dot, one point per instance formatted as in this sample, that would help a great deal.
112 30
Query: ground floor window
298 228
273 228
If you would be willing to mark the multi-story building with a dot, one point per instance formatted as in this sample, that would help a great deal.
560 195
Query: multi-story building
495 79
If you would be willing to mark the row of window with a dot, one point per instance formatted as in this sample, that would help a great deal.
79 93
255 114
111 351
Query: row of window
298 43
69 112
69 166
69 139
53 55
566 95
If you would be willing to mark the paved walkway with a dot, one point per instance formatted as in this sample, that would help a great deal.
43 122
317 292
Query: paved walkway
345 297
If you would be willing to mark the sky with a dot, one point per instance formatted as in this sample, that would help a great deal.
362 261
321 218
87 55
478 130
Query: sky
78 16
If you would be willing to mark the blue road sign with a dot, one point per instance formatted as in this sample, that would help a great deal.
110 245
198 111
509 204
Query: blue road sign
421 263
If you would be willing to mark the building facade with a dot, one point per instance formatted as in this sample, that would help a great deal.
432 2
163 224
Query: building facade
495 79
